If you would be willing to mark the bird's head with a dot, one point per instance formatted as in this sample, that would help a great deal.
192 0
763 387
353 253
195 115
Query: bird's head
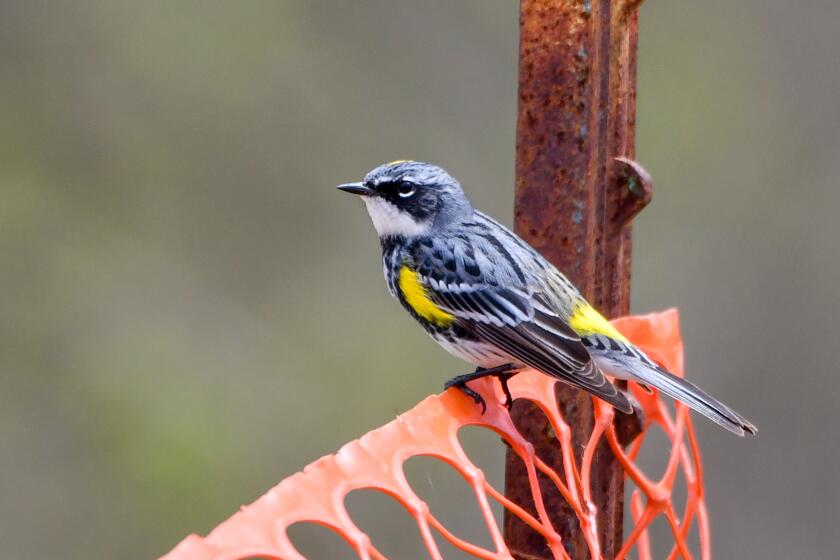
409 198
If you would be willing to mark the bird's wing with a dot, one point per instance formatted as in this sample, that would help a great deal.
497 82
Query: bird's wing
490 297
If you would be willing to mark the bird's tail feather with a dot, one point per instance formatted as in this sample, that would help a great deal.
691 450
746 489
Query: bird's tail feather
696 398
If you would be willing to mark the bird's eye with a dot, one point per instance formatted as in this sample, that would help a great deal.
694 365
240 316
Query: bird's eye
405 190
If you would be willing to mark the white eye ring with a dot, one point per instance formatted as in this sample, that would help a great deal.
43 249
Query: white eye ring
406 193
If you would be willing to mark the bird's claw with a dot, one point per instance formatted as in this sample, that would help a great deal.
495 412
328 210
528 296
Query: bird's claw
470 393
502 373
503 381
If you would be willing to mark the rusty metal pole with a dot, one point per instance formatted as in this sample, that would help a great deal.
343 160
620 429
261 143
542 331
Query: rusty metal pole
577 189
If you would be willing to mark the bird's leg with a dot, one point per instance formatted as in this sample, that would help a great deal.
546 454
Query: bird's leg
503 381
503 373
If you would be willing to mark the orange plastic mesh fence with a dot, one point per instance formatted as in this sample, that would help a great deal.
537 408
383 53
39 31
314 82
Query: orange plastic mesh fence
375 461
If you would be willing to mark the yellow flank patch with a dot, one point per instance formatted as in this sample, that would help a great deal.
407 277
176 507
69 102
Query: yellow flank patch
418 299
585 320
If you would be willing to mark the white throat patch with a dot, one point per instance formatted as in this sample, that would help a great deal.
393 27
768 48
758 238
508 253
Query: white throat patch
390 220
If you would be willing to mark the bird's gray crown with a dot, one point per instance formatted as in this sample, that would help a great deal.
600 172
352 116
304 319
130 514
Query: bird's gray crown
415 172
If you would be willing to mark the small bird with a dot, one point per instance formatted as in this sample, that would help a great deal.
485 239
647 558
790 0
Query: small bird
489 298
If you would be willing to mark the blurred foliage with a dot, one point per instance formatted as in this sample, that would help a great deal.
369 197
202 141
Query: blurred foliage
191 312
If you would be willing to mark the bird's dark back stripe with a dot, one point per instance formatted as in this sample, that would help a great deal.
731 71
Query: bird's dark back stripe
499 246
507 233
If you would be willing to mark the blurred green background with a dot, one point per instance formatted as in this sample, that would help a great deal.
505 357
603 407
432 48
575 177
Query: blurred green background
190 312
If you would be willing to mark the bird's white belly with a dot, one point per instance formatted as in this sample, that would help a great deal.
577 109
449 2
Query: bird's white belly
477 353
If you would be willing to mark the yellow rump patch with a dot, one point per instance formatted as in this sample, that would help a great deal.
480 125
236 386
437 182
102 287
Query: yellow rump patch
585 320
418 299
396 161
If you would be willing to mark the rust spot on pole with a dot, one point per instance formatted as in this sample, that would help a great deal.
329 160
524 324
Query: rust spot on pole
577 189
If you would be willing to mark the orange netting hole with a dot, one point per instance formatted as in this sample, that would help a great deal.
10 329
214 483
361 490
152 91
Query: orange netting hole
375 461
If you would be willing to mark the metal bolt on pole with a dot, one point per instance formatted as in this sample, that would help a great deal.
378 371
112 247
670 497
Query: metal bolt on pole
577 189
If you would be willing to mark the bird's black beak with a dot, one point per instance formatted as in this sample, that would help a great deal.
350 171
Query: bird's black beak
356 188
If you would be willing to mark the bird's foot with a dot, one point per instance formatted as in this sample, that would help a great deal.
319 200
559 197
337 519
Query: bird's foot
467 391
503 373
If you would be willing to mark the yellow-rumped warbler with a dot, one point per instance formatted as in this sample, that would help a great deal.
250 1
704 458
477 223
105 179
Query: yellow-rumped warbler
489 298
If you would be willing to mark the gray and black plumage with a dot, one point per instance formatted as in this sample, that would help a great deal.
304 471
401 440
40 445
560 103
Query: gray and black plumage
489 298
